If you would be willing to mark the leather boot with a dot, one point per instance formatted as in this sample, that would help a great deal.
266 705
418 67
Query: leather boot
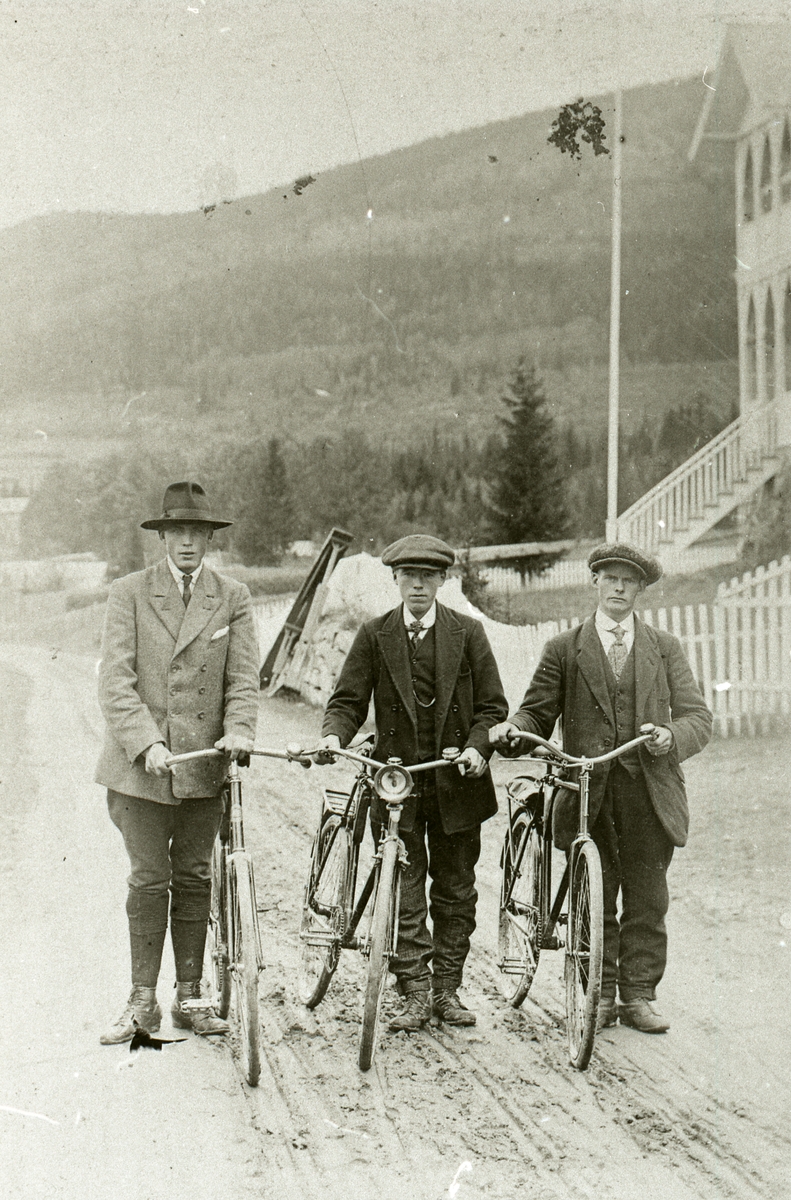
608 1013
414 1014
449 1008
191 1010
141 1012
639 1014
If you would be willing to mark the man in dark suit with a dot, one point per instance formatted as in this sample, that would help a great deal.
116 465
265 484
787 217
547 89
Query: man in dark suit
179 672
610 679
435 685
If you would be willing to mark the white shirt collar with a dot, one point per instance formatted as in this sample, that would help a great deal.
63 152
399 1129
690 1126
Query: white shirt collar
179 575
427 621
607 624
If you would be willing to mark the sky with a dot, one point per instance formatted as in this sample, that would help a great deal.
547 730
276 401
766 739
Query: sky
161 106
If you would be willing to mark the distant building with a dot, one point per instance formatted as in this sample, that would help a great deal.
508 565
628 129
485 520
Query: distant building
751 107
11 509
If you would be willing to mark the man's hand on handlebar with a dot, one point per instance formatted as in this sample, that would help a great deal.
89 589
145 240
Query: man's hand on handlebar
471 763
156 760
234 744
325 750
661 740
504 737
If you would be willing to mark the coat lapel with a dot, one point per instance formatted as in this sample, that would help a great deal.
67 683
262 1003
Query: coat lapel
165 599
205 600
647 661
449 646
395 655
590 661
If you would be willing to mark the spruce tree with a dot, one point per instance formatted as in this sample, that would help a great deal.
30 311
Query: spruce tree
526 499
267 524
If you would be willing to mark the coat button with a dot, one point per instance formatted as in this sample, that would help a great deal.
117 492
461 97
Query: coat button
394 708
200 716
458 733
455 708
173 691
203 668
175 667
392 732
201 690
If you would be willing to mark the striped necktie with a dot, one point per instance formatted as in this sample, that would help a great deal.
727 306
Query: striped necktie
185 595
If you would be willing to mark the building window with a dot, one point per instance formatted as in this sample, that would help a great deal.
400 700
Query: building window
787 336
766 177
769 346
751 357
748 200
785 166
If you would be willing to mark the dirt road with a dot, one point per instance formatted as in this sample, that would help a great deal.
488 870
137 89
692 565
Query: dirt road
490 1112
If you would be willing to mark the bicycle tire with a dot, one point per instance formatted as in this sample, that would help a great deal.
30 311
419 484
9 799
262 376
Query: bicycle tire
245 965
318 958
381 948
519 930
584 949
218 974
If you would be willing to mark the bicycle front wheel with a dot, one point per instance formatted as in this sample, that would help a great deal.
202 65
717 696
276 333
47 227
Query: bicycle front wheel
324 909
519 941
219 974
584 949
245 962
381 948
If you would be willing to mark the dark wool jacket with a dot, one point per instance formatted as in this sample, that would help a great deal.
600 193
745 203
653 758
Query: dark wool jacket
469 701
570 682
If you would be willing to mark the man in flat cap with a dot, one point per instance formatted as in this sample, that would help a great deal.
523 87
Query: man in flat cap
435 685
179 672
610 679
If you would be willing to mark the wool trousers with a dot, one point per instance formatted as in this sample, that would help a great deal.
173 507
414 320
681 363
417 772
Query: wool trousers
169 848
635 854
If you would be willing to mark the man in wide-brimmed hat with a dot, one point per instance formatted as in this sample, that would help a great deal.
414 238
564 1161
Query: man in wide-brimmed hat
611 678
179 672
435 685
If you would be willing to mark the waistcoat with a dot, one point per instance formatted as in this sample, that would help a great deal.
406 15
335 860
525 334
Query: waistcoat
622 697
423 682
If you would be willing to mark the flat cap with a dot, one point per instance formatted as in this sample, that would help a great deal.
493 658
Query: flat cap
419 550
622 552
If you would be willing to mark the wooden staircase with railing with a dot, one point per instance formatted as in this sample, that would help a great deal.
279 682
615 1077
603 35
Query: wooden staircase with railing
723 474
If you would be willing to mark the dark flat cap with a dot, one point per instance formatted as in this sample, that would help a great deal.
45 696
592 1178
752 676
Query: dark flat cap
419 550
621 552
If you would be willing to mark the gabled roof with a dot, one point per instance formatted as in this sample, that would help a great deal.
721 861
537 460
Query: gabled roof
752 82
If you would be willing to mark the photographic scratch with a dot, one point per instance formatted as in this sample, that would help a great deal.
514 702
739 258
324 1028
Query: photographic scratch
22 1112
453 1190
708 85
376 308
746 266
345 1129
301 183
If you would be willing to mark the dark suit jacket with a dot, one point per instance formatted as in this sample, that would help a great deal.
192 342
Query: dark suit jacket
184 677
469 700
570 681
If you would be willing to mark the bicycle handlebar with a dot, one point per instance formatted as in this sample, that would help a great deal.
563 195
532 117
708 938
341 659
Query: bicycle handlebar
291 755
571 760
367 761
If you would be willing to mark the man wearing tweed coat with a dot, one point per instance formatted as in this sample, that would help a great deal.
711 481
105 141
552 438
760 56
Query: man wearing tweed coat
179 672
610 679
435 685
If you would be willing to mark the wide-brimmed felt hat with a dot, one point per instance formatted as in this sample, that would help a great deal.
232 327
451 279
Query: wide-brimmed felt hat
419 550
185 502
622 552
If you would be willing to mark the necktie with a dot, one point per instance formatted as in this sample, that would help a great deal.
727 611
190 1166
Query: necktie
415 629
187 581
617 653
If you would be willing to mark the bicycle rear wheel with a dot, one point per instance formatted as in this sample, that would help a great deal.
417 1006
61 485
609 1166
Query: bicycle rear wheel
219 975
381 948
519 941
245 964
584 948
324 909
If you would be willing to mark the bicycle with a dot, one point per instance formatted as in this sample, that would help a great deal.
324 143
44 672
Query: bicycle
529 916
332 909
233 939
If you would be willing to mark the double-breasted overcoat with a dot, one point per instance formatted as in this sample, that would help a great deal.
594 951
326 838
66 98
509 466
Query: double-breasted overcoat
182 676
570 682
469 701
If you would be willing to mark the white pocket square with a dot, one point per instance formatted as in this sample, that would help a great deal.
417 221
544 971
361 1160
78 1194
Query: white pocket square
220 633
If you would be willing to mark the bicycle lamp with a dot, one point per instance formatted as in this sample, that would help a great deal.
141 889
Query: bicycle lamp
393 784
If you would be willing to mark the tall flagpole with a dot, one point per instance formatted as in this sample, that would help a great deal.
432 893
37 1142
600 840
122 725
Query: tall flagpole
615 330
